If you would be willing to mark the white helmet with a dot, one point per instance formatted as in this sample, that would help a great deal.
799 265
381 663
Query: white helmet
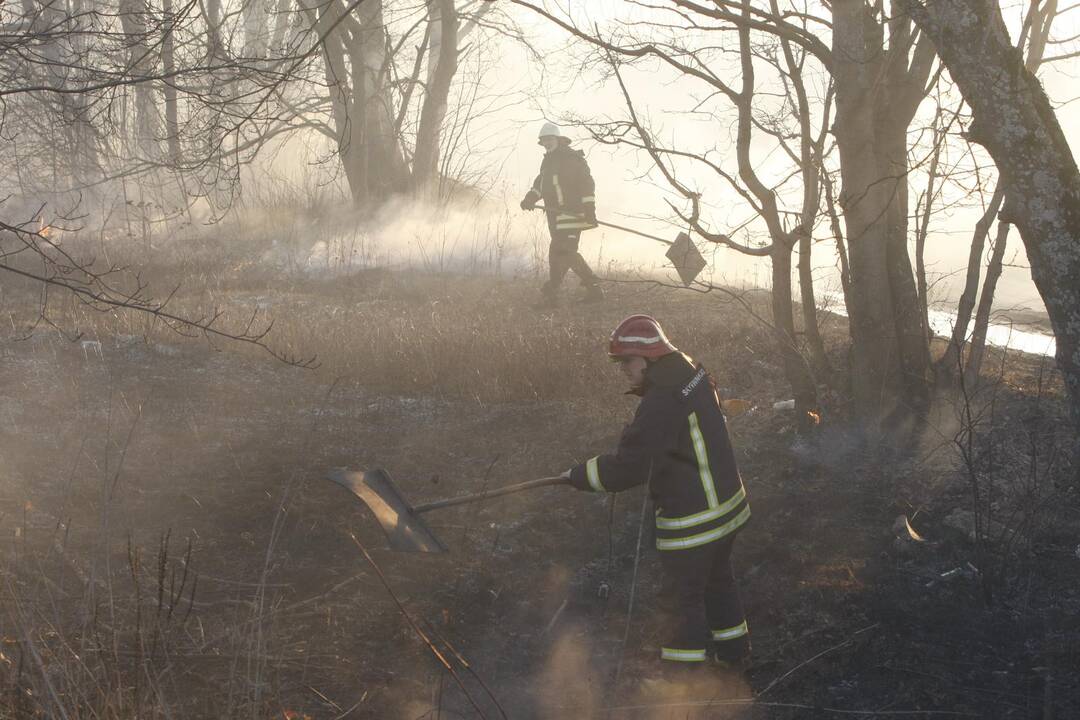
549 130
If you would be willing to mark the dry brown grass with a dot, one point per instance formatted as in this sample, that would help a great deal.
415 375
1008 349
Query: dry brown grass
114 644
470 334
114 650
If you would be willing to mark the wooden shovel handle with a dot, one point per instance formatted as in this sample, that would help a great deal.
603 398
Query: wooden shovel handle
463 499
632 231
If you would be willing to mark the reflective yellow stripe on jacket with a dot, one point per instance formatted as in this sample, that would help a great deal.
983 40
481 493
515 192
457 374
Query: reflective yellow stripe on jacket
702 517
703 461
592 472
558 190
717 512
692 541
572 222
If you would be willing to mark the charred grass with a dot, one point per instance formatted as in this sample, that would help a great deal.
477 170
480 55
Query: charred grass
172 551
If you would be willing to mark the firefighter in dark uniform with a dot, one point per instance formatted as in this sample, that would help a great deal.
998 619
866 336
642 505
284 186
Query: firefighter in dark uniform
566 187
678 443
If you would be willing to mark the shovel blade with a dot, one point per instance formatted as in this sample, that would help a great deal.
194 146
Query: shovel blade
405 529
686 258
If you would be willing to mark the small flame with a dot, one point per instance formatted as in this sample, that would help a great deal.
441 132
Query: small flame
43 229
814 417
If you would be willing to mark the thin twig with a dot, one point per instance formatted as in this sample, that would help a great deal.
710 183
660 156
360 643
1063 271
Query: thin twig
465 664
795 706
416 628
555 618
846 642
633 589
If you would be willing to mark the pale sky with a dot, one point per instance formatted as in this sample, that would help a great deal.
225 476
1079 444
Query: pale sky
626 197
630 192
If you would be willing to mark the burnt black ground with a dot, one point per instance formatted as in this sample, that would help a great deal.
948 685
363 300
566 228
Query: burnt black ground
229 451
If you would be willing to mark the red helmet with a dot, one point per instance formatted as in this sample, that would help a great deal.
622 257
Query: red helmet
639 335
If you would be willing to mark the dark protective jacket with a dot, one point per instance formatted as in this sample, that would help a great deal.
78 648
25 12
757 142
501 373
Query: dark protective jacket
678 443
566 186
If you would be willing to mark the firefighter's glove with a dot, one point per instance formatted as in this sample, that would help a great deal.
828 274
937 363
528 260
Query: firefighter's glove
580 482
590 213
529 202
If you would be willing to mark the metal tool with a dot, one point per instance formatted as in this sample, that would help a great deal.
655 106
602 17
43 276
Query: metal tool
682 252
603 591
401 520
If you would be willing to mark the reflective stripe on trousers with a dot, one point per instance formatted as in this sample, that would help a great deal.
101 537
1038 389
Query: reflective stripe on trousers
699 599
682 655
732 632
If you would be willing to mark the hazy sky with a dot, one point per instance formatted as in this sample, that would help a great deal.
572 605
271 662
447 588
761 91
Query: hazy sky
524 90
628 192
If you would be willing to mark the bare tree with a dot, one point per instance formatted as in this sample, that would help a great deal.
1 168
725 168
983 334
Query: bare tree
83 89
80 93
787 203
388 100
1036 35
881 67
950 359
30 253
1015 121
977 347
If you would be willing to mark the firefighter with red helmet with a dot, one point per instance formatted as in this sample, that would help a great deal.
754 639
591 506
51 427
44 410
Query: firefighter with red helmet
678 443
567 189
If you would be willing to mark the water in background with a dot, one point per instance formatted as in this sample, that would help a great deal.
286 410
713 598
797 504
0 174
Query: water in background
1005 335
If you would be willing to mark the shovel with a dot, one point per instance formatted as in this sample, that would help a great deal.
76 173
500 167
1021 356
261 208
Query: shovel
399 519
682 252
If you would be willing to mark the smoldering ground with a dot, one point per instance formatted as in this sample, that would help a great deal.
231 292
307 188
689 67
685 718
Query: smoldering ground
125 447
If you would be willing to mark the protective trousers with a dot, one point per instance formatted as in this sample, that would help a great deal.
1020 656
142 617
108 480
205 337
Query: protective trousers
701 606
563 256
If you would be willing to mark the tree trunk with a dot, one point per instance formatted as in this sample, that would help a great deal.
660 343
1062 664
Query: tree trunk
838 237
949 363
141 63
282 21
795 368
355 67
809 308
442 66
907 314
256 21
977 349
1014 121
168 65
215 47
876 97
383 163
73 148
922 225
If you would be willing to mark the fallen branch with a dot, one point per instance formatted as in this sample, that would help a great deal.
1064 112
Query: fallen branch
416 628
821 654
95 288
465 664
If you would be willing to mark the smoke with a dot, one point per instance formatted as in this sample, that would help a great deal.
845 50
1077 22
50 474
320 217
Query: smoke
569 678
327 239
